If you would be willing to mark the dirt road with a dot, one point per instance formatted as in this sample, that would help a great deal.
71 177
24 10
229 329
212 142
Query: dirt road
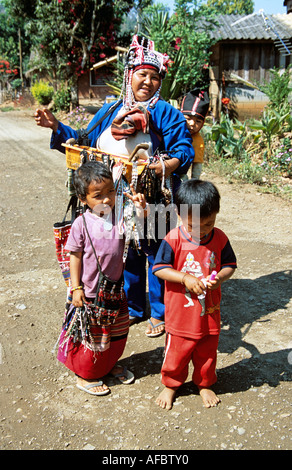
40 406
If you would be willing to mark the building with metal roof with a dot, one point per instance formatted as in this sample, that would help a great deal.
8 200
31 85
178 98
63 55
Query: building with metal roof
246 49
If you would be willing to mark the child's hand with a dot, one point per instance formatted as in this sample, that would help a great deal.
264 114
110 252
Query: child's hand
223 275
193 284
138 199
213 283
78 298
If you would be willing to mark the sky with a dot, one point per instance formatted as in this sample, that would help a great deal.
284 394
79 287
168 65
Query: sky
271 7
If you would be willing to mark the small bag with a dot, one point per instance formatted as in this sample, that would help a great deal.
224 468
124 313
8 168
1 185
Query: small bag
61 234
108 299
109 295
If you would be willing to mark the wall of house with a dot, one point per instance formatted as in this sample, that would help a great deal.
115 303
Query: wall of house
235 67
245 102
94 95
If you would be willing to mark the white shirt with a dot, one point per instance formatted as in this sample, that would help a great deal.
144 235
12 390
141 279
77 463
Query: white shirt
108 144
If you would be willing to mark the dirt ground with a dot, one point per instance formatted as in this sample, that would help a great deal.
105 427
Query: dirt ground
41 409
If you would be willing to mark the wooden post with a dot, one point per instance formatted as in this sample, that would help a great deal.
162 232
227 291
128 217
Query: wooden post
20 58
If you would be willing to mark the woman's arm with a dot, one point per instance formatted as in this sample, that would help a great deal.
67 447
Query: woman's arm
64 132
177 140
169 167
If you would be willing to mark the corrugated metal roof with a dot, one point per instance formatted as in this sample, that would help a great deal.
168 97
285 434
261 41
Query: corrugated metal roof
255 26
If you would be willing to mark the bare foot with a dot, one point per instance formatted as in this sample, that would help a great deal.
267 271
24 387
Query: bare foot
166 398
83 383
210 399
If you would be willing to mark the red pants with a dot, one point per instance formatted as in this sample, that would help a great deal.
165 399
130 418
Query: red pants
178 354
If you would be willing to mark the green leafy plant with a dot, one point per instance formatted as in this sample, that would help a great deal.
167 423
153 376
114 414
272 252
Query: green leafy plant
270 124
16 84
62 98
278 90
281 161
188 47
289 122
42 92
229 138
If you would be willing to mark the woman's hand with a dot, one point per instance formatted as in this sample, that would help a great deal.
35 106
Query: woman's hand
169 167
44 118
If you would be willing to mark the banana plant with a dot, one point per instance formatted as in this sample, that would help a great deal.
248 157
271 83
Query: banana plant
229 138
158 28
270 125
171 88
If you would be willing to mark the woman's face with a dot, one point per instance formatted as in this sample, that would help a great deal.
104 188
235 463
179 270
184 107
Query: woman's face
145 83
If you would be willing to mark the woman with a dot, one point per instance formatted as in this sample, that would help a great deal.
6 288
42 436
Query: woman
141 117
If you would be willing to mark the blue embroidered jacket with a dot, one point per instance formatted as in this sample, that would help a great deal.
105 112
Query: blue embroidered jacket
169 124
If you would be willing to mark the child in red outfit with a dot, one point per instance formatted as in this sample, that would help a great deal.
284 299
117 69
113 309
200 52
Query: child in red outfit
186 258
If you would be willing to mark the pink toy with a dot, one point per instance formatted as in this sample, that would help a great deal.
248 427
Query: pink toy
213 275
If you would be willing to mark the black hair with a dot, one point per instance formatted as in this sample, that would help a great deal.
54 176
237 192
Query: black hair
88 172
200 192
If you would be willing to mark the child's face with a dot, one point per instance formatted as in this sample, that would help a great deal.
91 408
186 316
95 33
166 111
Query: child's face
101 196
194 123
200 227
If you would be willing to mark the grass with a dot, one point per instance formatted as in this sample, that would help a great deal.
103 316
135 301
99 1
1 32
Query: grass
6 109
246 171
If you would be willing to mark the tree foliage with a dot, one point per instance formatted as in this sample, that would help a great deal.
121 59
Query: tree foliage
11 28
68 36
79 32
229 7
185 37
278 90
